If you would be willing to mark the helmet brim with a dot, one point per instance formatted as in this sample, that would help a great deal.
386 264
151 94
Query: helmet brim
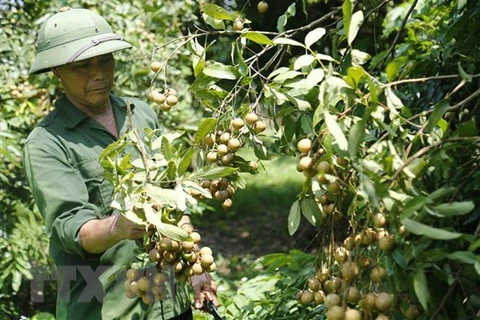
62 55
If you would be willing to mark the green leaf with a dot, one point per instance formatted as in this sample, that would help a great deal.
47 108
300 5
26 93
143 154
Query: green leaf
43 316
315 77
454 208
217 12
257 38
463 256
294 217
313 36
393 102
394 66
16 281
260 151
318 115
220 71
212 172
216 24
347 10
159 143
282 20
355 75
188 186
288 41
164 197
421 229
198 65
114 149
420 286
277 72
336 131
282 77
442 192
355 137
355 24
186 161
166 148
310 210
359 57
465 76
438 111
303 61
173 232
415 204
299 103
326 57
207 126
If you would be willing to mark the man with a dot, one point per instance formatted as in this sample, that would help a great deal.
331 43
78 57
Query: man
89 242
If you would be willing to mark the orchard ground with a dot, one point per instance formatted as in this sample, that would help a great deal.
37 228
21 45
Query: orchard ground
257 223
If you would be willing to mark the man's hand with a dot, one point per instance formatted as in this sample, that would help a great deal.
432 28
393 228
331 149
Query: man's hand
124 228
96 236
205 288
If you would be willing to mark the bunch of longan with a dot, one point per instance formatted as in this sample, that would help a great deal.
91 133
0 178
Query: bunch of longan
353 286
224 143
184 258
220 189
148 284
166 100
26 90
330 175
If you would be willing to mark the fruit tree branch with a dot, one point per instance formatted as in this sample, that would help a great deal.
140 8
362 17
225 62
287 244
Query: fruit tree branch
391 51
424 150
465 101
139 144
425 79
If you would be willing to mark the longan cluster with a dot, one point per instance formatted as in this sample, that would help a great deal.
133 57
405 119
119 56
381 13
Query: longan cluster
144 33
224 143
353 286
26 90
330 177
223 146
220 189
166 100
148 284
184 256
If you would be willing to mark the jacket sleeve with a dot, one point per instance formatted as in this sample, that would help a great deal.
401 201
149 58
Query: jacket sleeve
59 192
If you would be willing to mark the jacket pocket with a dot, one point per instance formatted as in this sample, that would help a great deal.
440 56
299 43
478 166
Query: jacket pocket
99 189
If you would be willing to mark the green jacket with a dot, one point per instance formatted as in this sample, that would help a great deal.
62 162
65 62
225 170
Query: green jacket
61 160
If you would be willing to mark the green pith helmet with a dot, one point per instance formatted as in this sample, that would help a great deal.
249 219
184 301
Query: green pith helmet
72 35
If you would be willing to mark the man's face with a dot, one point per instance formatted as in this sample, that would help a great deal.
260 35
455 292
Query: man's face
87 83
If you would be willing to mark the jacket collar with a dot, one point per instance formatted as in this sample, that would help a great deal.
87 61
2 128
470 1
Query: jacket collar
74 116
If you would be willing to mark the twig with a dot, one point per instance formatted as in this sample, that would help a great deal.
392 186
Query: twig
452 108
425 79
445 297
391 51
139 143
313 23
377 8
465 101
424 150
457 87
